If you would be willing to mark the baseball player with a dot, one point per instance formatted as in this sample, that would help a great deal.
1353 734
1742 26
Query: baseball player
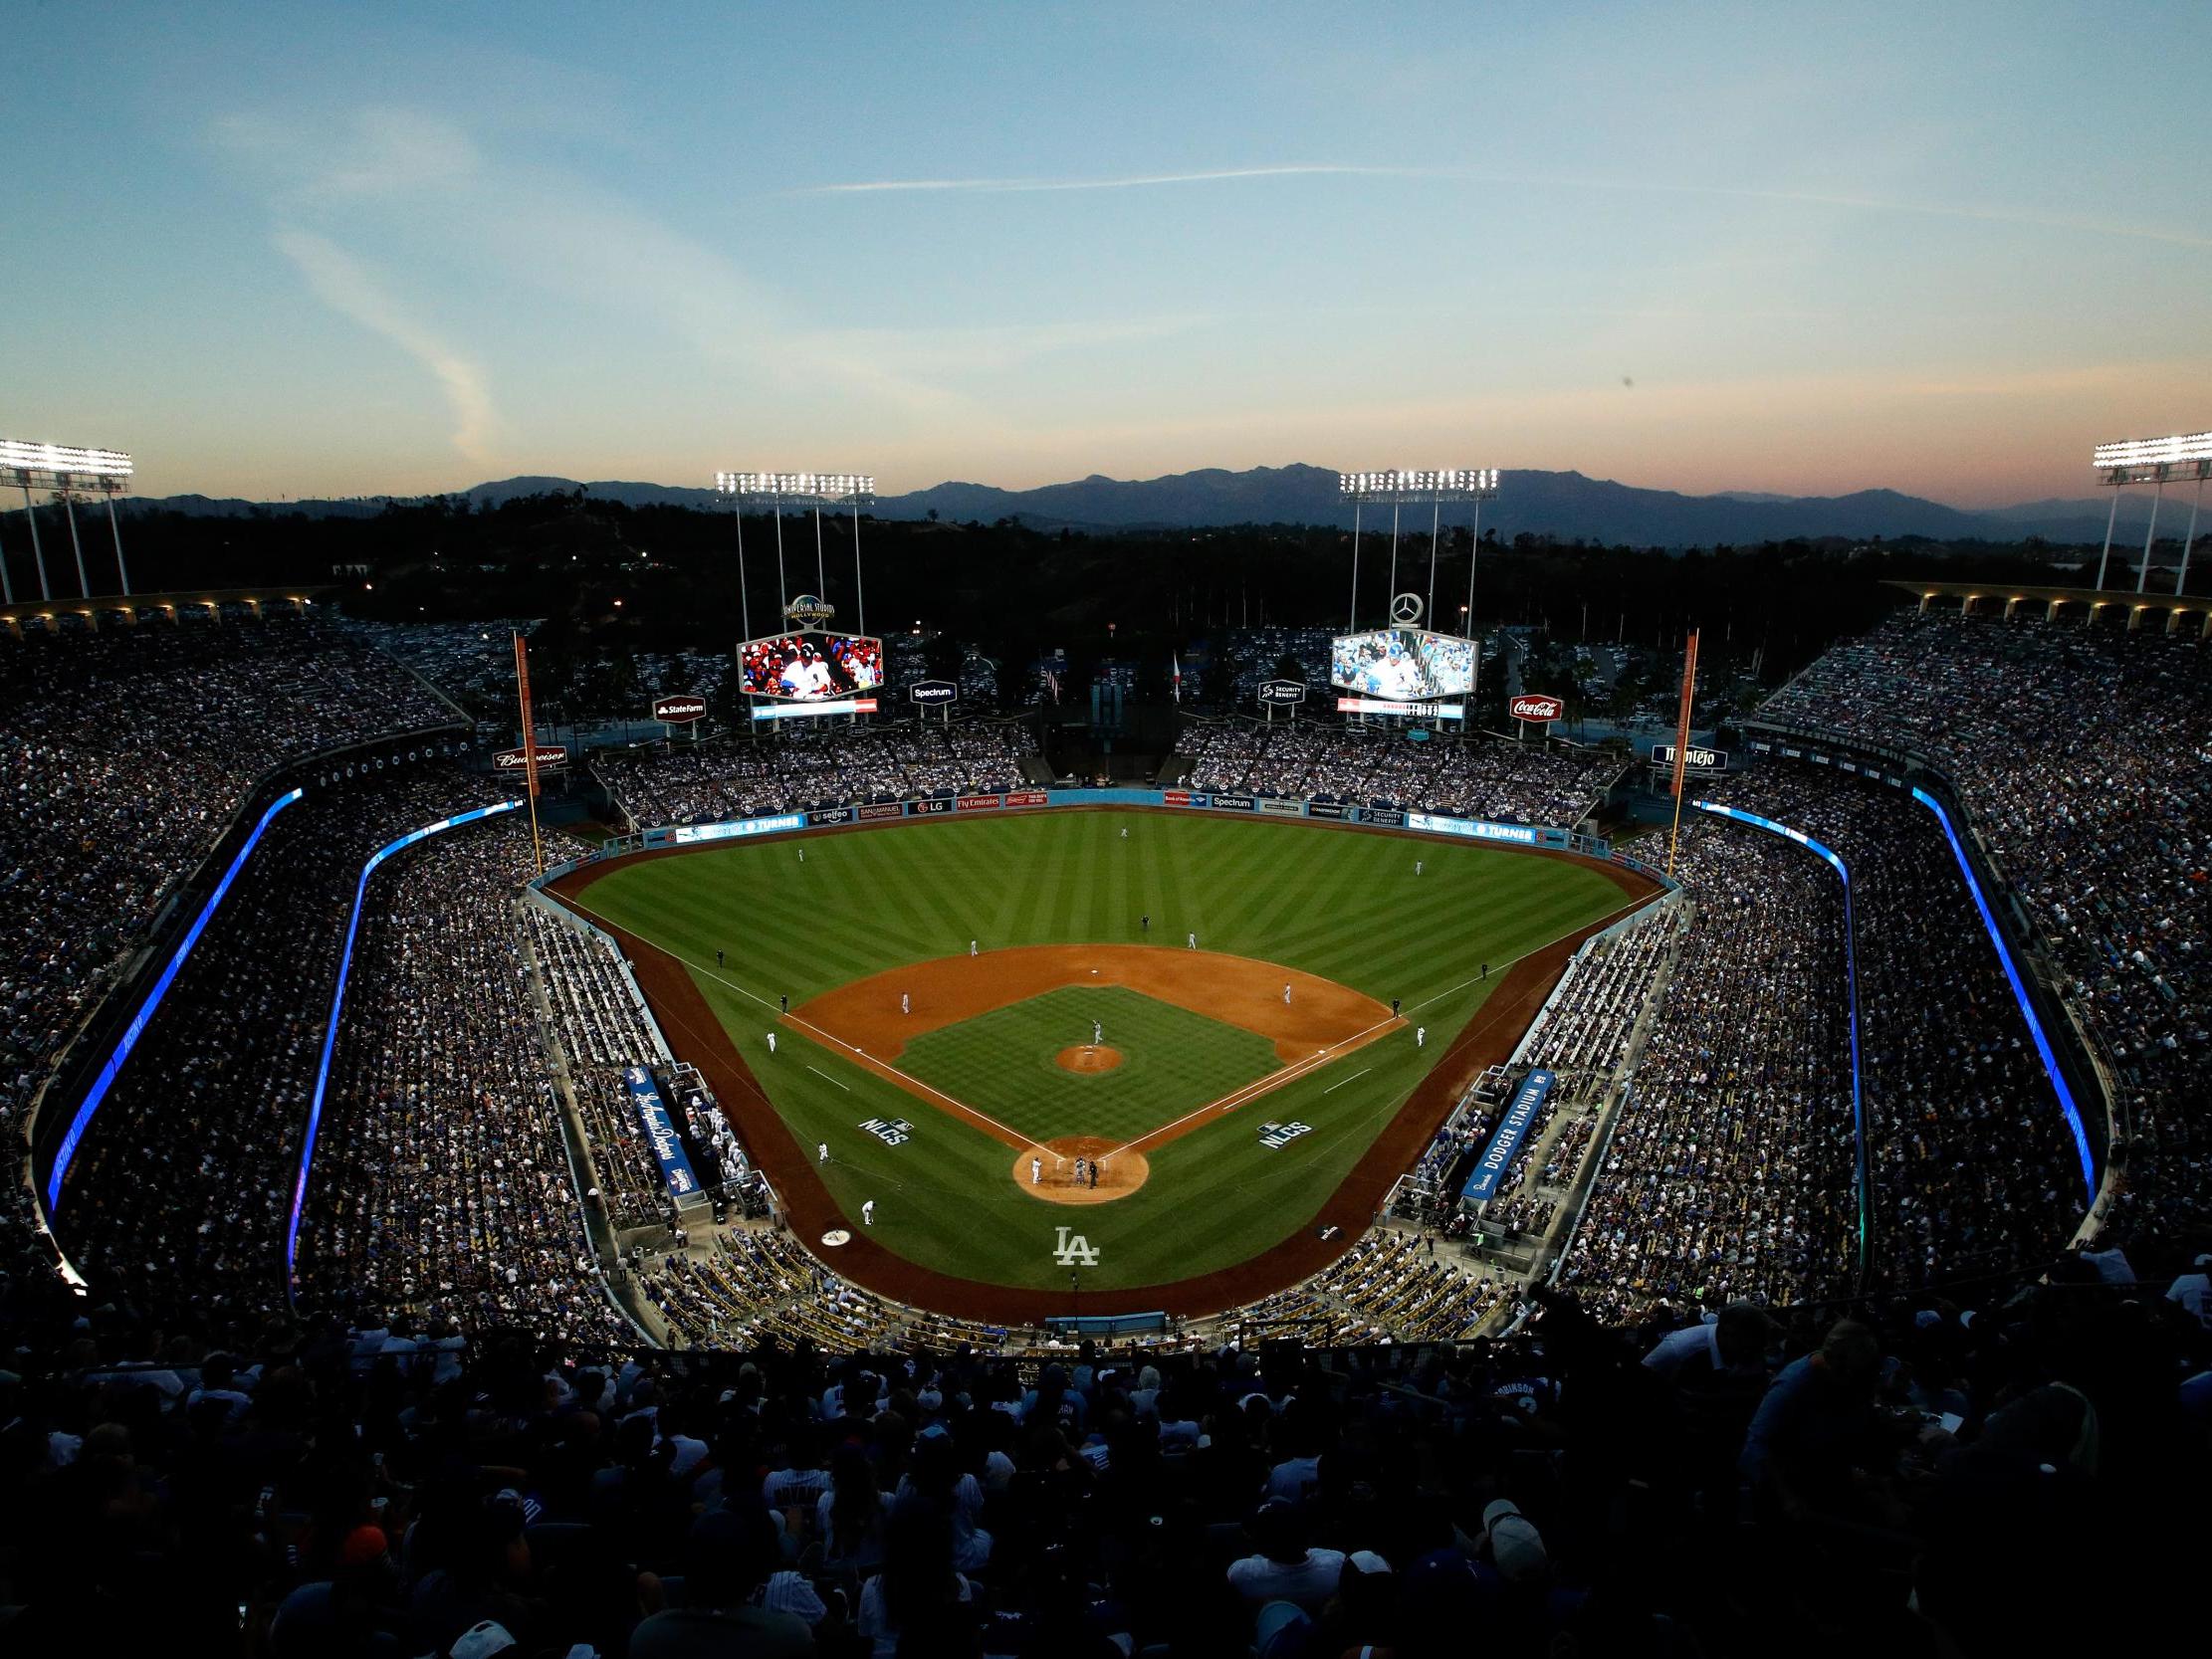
718 959
1098 1033
1037 1171
1420 1036
1144 924
868 1213
771 1042
1192 939
821 1152
802 855
971 948
906 1003
1125 832
1286 993
1079 1168
1417 866
785 1003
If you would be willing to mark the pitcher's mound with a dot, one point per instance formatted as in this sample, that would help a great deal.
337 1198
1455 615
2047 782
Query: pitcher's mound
1090 1057
1051 1176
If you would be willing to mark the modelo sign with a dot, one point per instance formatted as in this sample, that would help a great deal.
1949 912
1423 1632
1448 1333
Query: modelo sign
1282 693
1541 710
1694 758
680 709
551 757
931 693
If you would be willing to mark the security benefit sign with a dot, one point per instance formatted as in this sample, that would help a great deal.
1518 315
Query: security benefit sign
1275 1137
892 1131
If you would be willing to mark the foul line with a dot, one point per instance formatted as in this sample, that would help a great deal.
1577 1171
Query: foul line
826 1078
1342 1081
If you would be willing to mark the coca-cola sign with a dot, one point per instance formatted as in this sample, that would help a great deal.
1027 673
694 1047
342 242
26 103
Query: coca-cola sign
680 709
551 757
1543 709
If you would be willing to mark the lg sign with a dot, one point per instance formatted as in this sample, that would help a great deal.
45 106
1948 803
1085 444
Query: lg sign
1541 709
676 711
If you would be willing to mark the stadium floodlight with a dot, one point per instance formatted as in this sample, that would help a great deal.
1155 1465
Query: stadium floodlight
2156 462
815 490
1451 484
66 469
819 489
52 462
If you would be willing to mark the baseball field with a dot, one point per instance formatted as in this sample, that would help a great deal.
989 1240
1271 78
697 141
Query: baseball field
1092 1061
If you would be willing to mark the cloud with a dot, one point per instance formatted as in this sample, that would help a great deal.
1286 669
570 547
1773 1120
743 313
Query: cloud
340 282
1132 181
2026 218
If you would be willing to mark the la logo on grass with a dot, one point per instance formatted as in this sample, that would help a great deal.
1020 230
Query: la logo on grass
1076 1252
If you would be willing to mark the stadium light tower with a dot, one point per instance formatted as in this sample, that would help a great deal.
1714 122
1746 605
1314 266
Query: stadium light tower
66 472
815 490
2154 461
1399 486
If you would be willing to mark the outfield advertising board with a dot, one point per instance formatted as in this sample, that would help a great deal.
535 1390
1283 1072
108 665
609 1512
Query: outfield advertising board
1281 809
830 815
1386 815
1028 797
686 835
929 807
1477 829
1233 803
978 803
879 811
1325 809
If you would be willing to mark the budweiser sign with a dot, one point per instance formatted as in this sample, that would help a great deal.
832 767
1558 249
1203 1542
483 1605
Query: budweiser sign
551 757
679 709
1540 709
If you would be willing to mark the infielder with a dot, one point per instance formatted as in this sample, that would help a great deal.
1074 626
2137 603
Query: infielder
1286 993
1191 939
1098 1035
868 1213
971 948
1420 1036
821 1152
906 1003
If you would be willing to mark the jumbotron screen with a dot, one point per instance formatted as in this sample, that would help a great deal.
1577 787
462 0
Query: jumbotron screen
1405 665
809 666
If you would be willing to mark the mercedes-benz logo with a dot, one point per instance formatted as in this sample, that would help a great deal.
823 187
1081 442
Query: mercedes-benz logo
1405 609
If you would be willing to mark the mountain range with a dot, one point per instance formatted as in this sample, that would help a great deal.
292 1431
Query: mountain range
1567 504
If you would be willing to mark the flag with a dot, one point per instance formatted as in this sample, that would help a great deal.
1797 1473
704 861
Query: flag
1177 661
1053 680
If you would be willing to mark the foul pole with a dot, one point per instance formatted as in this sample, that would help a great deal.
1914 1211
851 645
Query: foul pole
529 748
1681 742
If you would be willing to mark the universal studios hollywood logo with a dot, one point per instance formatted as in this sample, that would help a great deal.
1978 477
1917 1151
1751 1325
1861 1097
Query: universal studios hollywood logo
809 611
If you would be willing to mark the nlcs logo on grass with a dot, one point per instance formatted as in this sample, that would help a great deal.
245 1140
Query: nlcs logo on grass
1076 1252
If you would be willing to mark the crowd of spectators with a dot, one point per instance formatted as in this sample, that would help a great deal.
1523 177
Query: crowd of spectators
183 1186
1972 1168
1873 1483
846 766
1487 778
123 757
1729 1173
2083 759
441 1186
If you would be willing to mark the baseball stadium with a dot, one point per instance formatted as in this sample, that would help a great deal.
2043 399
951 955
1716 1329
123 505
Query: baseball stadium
1142 1037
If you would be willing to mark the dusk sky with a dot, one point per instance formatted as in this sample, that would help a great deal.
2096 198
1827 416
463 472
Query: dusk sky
402 248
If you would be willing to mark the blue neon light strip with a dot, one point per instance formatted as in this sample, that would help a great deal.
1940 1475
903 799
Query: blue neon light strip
108 1073
337 1004
1850 982
2020 995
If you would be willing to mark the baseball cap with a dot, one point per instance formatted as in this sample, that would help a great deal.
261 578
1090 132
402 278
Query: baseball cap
481 1641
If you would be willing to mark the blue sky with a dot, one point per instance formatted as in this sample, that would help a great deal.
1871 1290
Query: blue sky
344 250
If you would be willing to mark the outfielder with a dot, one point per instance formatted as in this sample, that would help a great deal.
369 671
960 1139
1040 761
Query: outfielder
771 1042
1420 1036
1192 939
868 1213
971 948
821 1152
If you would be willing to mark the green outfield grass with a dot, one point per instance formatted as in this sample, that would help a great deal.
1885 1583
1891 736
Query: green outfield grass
1004 1063
1337 904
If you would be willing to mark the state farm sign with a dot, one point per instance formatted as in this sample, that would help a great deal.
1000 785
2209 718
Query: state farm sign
680 709
1541 709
